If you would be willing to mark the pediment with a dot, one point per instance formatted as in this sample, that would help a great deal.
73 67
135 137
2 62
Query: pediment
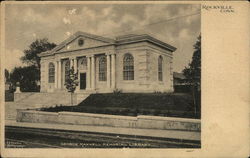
82 40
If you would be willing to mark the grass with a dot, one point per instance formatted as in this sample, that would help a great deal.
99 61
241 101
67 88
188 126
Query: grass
133 104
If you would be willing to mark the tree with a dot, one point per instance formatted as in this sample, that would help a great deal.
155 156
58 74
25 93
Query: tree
27 76
71 82
6 75
31 55
193 74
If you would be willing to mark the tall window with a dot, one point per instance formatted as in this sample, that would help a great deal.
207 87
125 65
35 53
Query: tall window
102 69
51 73
128 67
66 71
160 68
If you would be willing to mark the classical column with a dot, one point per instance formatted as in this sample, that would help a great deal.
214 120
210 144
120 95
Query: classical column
113 71
108 71
93 72
75 64
56 73
171 74
71 63
88 73
75 71
59 74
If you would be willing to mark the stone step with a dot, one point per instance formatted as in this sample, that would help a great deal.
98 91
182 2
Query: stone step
51 99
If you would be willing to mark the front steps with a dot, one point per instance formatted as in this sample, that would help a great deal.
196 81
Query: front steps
44 99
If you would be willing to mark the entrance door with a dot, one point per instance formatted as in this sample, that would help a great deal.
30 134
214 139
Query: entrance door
82 80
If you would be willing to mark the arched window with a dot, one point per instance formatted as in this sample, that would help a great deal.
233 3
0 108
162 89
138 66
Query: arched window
128 67
102 68
66 70
51 73
160 68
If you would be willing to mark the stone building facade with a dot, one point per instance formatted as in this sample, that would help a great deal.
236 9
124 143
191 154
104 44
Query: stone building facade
131 63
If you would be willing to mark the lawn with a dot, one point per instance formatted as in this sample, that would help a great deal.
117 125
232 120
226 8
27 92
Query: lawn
133 104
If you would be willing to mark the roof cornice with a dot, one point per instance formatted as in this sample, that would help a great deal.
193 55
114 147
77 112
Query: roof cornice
145 37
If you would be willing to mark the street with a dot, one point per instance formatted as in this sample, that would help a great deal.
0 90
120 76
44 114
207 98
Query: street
21 137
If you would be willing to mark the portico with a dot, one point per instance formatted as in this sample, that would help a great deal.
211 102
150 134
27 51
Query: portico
86 67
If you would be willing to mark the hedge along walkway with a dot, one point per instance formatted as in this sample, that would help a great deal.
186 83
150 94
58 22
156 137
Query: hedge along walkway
133 104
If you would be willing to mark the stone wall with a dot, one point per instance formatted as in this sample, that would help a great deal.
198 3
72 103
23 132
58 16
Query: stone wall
156 85
141 121
139 55
145 68
23 95
157 122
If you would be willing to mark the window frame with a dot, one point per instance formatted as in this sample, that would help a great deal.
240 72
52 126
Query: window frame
102 65
51 73
160 68
66 71
128 67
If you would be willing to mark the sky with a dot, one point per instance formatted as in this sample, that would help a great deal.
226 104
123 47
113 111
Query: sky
175 24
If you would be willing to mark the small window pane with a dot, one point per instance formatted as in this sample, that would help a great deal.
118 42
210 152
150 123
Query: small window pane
51 73
160 78
102 69
67 68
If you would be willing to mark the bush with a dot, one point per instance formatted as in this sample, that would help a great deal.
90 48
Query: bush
9 96
117 91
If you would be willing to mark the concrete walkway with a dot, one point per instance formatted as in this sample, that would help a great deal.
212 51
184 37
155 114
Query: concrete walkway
173 134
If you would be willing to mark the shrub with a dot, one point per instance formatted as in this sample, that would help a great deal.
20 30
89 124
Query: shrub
9 96
132 104
157 112
117 91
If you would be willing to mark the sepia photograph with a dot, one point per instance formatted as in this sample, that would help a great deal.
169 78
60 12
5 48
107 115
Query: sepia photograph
102 75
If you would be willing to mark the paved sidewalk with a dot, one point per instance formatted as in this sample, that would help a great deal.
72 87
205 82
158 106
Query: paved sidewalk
173 134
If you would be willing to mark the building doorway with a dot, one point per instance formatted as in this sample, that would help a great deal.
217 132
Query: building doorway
82 81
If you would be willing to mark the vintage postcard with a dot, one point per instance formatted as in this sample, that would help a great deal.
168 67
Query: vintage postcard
124 79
